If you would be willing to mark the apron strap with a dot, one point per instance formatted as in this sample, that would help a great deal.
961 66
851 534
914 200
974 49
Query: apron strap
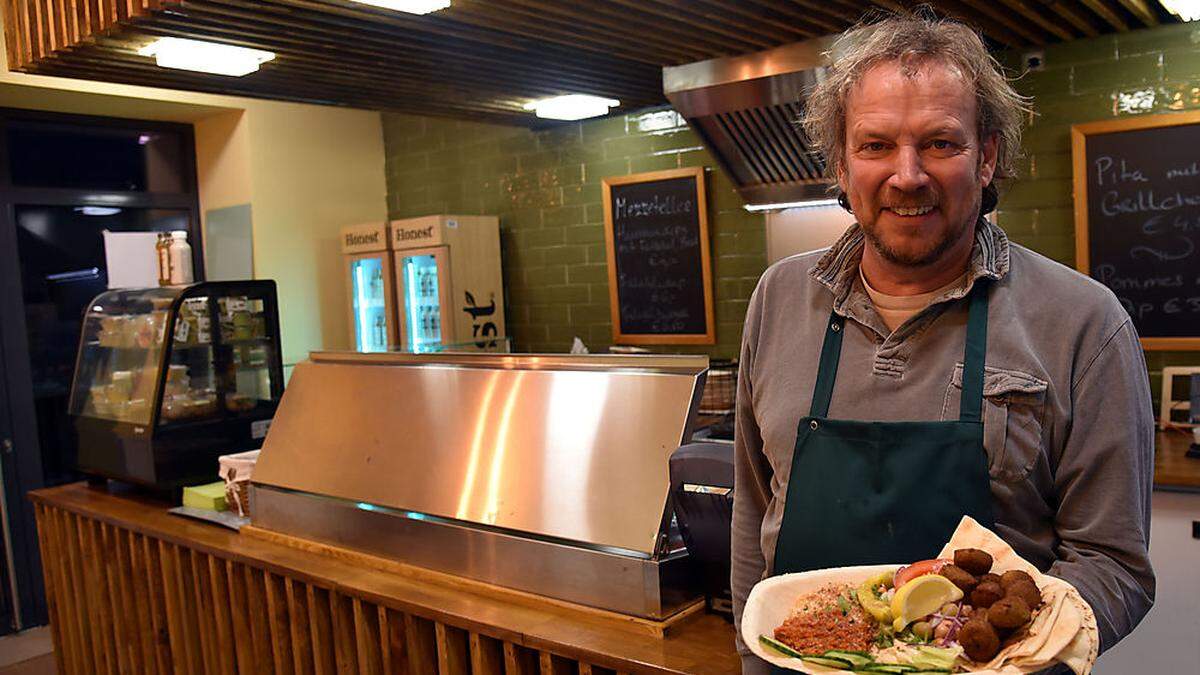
971 401
831 353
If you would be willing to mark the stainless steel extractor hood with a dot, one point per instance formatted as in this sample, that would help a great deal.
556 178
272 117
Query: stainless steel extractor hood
746 111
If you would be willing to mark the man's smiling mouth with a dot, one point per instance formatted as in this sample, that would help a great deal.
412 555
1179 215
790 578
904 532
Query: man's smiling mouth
910 210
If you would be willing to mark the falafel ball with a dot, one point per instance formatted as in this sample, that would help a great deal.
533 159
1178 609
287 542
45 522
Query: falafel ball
1013 576
979 640
1027 591
1008 613
973 560
985 594
960 577
994 578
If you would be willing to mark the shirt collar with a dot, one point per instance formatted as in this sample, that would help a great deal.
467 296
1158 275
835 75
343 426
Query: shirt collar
838 268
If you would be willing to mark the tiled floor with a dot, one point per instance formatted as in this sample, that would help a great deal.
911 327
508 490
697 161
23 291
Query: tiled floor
29 652
39 665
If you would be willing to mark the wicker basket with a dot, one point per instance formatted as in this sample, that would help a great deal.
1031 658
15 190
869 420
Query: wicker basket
236 471
720 389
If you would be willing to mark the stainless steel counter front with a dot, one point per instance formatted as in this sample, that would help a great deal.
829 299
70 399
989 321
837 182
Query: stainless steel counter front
543 473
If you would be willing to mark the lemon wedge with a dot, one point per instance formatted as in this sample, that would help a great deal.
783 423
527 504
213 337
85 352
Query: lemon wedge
920 597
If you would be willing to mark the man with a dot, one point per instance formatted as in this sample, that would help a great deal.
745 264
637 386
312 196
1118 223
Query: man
925 367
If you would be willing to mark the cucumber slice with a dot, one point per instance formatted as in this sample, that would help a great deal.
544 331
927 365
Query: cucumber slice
778 646
890 668
830 661
856 659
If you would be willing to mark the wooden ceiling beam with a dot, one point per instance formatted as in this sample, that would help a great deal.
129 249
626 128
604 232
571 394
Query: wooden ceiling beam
758 18
330 59
968 15
305 61
1032 13
1142 10
530 48
1072 16
627 73
313 87
512 17
433 30
833 13
534 10
999 15
480 71
731 41
1107 12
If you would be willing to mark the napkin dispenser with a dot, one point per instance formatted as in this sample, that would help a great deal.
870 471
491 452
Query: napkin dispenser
702 490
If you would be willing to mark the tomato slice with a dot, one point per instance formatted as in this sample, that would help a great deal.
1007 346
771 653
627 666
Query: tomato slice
919 569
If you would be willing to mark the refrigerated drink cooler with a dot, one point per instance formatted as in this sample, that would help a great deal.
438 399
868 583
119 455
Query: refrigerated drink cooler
370 289
447 273
543 473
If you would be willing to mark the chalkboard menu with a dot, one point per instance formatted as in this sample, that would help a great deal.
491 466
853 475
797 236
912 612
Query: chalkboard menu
1137 220
659 275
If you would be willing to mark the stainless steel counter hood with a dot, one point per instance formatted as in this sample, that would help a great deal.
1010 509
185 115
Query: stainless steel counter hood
745 110
547 474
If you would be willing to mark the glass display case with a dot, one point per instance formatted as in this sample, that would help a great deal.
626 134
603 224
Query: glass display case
167 379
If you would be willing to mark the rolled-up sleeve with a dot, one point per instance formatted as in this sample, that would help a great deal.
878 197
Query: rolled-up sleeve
1103 482
751 488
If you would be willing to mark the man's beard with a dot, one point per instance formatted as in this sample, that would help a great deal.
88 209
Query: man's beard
921 258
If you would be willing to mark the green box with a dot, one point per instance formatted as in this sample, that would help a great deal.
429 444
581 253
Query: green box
210 496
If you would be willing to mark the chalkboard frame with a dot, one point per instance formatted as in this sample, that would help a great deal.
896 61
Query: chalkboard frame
1079 164
708 337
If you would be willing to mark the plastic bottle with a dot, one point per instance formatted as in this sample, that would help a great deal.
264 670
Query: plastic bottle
162 251
181 258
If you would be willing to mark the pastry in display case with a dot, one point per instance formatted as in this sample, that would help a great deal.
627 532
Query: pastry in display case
169 378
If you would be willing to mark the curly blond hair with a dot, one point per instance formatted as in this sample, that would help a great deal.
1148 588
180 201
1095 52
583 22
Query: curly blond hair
914 39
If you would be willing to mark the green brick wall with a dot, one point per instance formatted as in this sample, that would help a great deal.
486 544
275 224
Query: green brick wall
545 187
1150 71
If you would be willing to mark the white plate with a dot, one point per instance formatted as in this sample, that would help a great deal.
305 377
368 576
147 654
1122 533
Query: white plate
772 599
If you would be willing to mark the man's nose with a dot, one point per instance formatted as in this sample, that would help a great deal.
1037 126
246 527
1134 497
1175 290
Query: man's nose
909 172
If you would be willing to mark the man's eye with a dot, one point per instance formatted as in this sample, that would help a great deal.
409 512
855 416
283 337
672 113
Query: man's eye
941 144
874 146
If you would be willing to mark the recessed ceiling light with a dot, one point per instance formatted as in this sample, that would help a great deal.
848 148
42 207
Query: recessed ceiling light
1187 10
410 6
807 204
572 107
205 57
97 210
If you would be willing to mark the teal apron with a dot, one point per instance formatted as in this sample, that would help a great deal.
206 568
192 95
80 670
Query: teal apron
867 493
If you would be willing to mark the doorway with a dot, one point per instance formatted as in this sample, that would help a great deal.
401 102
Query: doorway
64 180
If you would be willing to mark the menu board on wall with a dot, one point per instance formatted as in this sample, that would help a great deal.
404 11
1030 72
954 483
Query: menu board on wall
659 274
1137 220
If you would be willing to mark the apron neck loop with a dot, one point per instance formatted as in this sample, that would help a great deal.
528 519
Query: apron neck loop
971 402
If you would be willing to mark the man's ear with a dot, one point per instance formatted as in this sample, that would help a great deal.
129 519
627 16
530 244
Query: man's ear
989 152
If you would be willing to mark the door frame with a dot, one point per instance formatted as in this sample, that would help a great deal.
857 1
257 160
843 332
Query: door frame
23 465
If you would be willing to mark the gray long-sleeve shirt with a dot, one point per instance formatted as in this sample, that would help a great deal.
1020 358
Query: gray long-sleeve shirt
1068 421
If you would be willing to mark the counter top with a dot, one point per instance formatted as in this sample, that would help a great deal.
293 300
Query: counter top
700 644
1173 469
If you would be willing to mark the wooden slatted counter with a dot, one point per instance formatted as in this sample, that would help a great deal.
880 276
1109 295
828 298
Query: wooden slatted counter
133 589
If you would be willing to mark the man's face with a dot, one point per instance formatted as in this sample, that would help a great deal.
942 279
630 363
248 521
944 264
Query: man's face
914 167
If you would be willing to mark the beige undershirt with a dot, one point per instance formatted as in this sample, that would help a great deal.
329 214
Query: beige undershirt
896 309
